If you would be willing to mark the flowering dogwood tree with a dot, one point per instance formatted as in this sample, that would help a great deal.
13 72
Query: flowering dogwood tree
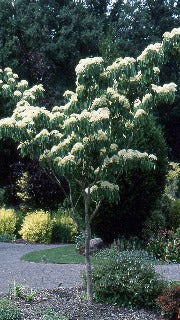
86 140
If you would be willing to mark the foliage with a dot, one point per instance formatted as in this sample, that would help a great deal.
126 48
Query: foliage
37 227
7 237
50 314
123 244
153 224
64 230
166 246
172 189
169 302
8 310
127 278
174 215
7 221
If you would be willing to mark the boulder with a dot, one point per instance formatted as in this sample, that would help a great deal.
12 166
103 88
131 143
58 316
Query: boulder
96 244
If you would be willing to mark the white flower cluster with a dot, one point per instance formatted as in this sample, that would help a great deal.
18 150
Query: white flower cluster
22 83
7 122
147 99
99 115
151 48
41 134
131 154
139 113
110 186
8 69
101 136
63 161
77 147
5 86
170 87
137 103
11 80
84 63
119 63
118 97
113 146
137 77
99 102
17 93
156 70
170 35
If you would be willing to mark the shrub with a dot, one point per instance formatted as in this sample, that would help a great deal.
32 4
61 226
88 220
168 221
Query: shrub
174 215
7 221
37 227
127 278
166 246
20 215
64 229
8 310
169 302
153 224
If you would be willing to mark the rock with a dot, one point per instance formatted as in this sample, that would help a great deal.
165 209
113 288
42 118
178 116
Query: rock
96 244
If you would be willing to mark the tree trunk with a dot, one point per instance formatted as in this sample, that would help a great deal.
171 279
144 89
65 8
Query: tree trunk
87 254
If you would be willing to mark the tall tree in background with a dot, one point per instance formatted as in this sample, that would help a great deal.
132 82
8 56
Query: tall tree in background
44 40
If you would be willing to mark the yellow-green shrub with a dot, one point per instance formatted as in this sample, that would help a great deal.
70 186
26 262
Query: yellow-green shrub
37 227
64 229
7 221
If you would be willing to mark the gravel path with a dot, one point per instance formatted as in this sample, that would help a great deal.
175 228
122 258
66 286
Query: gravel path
47 276
34 275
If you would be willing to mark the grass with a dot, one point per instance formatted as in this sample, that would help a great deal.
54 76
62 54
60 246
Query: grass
61 255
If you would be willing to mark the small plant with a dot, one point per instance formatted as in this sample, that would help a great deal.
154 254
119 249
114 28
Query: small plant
166 246
8 310
7 221
15 291
37 227
169 302
133 243
50 314
127 278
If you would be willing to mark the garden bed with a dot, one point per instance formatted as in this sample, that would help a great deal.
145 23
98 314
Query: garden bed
71 304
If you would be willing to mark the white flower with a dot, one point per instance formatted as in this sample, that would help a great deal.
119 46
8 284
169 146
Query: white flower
174 32
77 147
156 69
137 102
113 146
101 136
15 76
152 157
11 80
22 83
110 186
147 98
100 114
5 87
165 88
8 70
139 113
152 47
17 93
84 63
